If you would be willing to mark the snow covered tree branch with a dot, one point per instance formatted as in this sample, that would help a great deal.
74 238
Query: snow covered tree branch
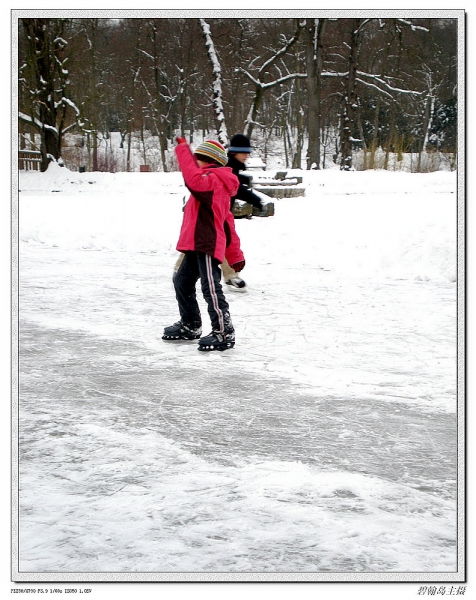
217 98
412 26
393 83
388 88
282 51
261 86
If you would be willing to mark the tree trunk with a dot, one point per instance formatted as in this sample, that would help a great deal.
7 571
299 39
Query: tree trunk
163 148
191 129
50 148
95 152
390 146
42 57
314 61
285 140
350 100
161 123
129 142
297 156
251 118
217 98
362 139
297 109
429 107
142 139
375 136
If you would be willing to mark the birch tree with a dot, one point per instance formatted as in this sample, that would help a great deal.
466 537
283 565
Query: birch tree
217 97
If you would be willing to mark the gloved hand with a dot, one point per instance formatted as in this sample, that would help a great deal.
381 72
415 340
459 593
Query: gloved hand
181 140
239 266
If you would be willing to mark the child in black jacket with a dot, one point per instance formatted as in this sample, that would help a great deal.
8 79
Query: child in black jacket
238 153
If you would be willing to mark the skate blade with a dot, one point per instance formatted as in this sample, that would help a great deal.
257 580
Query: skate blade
219 347
178 338
232 288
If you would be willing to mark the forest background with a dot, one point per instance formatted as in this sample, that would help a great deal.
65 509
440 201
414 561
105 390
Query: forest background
319 92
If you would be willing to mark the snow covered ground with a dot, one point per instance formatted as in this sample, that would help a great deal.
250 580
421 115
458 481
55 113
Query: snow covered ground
324 442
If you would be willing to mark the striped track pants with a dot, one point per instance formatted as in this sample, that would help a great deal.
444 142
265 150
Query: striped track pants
195 266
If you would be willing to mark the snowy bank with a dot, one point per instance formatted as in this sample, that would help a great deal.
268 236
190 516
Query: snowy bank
358 224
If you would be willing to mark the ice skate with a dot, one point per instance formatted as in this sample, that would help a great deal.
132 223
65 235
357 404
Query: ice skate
236 284
217 340
180 331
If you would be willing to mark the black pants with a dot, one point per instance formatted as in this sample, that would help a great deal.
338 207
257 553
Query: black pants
195 266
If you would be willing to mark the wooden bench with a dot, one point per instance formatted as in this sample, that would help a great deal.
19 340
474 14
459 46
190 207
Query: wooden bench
29 160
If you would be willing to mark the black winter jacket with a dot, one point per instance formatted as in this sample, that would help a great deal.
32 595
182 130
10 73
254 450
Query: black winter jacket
245 192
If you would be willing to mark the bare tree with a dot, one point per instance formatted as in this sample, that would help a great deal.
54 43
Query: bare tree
262 72
314 63
51 111
217 98
354 79
358 83
428 100
350 98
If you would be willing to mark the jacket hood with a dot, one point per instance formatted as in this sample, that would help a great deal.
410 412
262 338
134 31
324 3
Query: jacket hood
227 177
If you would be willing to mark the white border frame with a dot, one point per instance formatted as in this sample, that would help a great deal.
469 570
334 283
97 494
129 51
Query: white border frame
116 577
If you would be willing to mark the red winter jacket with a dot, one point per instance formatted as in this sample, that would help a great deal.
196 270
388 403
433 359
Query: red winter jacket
208 225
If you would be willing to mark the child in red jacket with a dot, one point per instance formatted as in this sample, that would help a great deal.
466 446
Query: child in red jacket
207 236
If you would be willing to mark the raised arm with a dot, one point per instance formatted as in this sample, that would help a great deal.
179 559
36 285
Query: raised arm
195 178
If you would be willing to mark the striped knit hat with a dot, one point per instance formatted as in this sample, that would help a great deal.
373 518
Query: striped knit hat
211 150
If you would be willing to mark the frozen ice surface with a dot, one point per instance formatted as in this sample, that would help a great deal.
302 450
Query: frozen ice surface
324 442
